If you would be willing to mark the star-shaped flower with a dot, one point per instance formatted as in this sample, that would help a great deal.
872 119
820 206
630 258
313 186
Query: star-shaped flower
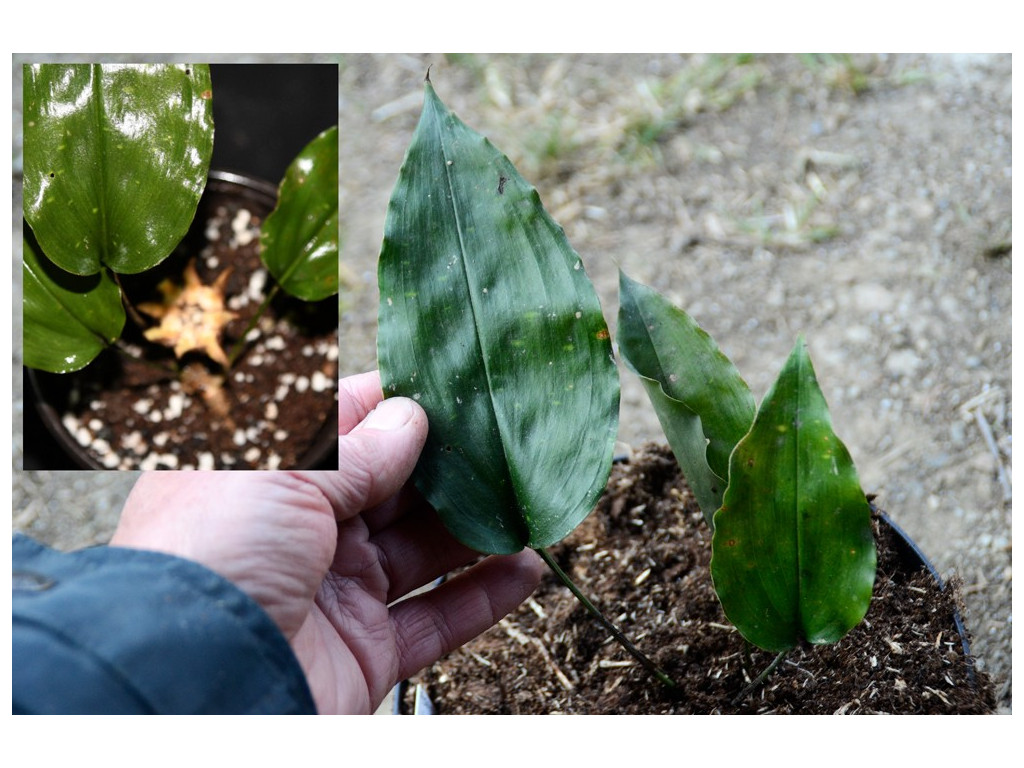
191 317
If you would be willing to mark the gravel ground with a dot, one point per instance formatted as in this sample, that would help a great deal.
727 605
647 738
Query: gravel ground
862 202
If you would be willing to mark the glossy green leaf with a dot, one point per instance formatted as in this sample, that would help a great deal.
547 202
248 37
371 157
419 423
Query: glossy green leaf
68 319
299 239
488 319
703 404
793 557
116 157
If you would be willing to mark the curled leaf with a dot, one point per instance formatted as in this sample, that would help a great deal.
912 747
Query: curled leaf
703 404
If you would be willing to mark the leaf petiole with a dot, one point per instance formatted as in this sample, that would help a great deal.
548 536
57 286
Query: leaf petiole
759 679
633 651
239 345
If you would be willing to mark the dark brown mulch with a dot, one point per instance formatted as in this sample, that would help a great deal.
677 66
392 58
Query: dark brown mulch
643 558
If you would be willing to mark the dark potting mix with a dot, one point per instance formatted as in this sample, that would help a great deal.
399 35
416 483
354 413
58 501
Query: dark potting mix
643 557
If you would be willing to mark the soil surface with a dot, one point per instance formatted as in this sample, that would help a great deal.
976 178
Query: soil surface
150 410
643 558
862 201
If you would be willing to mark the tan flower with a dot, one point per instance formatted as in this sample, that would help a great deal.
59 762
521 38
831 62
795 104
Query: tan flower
192 316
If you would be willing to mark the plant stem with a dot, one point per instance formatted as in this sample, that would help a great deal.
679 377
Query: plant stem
237 349
635 652
126 302
759 679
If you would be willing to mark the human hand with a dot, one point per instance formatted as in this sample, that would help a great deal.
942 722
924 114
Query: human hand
326 553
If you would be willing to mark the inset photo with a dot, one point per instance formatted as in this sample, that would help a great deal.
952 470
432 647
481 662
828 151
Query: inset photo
180 252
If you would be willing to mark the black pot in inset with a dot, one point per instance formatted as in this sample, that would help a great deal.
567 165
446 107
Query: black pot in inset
47 442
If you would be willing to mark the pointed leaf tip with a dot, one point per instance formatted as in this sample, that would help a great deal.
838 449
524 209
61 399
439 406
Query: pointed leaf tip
793 556
488 321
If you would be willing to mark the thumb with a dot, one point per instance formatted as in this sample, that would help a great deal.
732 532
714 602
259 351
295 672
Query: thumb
378 455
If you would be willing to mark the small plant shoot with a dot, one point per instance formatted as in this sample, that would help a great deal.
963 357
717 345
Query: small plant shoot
793 557
489 321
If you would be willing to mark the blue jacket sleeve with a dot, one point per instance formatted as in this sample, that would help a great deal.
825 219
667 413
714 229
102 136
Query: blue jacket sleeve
112 630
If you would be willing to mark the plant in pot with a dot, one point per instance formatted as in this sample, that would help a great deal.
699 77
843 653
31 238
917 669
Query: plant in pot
488 320
174 317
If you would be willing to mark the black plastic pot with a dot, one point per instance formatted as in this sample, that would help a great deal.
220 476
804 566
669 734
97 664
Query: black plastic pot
913 559
48 444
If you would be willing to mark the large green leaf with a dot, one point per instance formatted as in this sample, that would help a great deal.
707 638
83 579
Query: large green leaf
299 239
488 319
116 157
703 404
68 319
793 556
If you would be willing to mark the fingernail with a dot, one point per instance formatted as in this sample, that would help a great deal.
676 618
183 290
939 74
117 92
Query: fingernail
389 415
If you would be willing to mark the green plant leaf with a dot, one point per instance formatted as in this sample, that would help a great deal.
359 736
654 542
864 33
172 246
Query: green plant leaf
116 157
299 241
793 557
488 319
68 319
703 404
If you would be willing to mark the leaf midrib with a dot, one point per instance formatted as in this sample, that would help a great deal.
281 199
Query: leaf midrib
101 145
439 122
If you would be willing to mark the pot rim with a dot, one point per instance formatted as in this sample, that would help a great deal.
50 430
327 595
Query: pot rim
233 178
911 553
